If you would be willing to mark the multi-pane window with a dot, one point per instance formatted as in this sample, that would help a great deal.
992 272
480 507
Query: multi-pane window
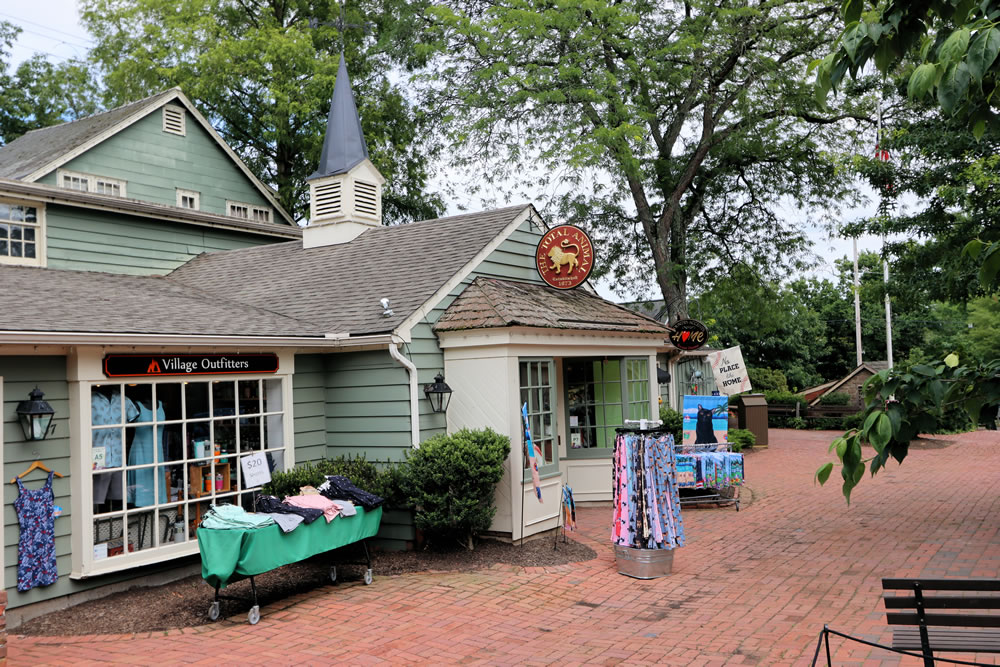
73 180
538 391
105 187
248 211
20 234
163 452
188 199
601 395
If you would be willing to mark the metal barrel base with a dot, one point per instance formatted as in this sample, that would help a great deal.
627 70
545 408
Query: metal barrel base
644 563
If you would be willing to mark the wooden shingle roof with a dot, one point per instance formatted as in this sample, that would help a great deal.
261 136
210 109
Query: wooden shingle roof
491 303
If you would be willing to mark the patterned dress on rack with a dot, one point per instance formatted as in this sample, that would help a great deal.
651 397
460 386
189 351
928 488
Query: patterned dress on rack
36 549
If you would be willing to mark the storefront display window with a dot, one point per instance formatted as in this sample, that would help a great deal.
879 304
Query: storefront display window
601 395
538 391
163 452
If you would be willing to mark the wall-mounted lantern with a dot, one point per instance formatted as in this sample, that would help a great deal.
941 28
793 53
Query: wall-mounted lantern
438 393
35 415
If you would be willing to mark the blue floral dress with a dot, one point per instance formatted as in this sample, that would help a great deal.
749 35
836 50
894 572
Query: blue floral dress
36 550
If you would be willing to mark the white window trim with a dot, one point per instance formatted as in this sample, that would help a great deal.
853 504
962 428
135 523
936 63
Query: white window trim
545 469
183 117
40 244
91 181
189 193
84 565
251 208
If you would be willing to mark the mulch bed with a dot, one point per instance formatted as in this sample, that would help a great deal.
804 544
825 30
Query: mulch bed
184 603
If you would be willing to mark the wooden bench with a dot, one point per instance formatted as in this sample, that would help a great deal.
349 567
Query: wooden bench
950 632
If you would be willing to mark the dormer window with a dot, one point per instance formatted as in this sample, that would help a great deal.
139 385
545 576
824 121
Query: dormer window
248 211
174 120
101 185
188 199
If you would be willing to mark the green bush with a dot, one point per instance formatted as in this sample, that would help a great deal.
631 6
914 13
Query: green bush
851 421
450 481
796 422
836 398
740 438
673 421
775 397
764 379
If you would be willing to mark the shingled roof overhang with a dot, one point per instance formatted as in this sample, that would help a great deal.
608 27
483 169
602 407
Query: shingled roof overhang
490 303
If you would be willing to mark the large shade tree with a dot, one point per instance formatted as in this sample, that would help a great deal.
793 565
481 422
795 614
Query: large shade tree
263 73
685 134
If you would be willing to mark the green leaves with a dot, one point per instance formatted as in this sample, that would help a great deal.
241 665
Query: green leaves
953 87
851 10
953 49
983 53
921 81
823 473
991 265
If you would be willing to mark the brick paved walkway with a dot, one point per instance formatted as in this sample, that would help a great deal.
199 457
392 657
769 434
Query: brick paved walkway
752 587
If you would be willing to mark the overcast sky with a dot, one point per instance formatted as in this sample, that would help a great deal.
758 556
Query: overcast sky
52 27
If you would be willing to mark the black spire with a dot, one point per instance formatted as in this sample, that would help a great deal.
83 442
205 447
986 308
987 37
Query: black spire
344 146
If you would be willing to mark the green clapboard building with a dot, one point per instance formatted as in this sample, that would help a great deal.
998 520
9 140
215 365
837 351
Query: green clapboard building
177 318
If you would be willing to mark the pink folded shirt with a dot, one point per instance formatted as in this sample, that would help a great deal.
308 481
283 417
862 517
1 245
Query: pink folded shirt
316 502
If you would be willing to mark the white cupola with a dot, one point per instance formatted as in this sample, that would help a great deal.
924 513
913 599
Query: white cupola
345 192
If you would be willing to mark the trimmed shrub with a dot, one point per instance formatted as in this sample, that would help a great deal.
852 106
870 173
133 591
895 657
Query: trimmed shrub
764 379
450 481
836 398
740 438
774 397
673 421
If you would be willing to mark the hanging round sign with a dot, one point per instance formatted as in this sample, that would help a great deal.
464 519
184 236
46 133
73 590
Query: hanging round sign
564 257
688 334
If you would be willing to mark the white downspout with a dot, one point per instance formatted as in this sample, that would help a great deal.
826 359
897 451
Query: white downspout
414 396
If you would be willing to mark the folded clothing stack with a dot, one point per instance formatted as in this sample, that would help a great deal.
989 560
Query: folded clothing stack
338 487
230 517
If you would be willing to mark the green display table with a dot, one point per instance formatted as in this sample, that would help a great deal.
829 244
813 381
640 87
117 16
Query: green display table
228 556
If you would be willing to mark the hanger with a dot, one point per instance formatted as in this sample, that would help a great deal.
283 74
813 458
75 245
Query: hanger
36 465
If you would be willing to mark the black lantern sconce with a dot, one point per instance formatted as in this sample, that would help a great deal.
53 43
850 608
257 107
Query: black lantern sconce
438 393
35 415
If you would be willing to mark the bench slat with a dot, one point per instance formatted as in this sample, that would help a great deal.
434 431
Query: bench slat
960 620
942 602
896 584
959 641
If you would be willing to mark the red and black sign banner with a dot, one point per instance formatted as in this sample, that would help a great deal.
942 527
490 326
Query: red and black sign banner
152 365
688 334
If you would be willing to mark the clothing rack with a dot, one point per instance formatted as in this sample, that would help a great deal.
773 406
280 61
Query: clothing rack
728 495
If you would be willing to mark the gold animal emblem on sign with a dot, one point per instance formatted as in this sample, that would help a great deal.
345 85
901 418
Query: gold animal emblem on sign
559 257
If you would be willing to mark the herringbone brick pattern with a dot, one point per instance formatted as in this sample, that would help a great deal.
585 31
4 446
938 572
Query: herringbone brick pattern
752 587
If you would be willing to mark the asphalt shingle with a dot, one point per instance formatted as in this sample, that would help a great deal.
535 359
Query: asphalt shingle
87 301
339 286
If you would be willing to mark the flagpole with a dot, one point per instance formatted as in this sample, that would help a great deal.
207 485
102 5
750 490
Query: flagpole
857 305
